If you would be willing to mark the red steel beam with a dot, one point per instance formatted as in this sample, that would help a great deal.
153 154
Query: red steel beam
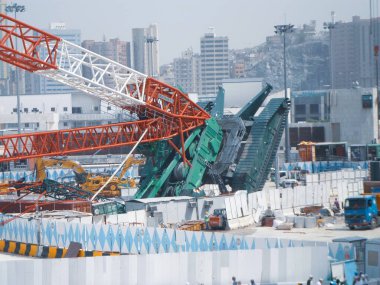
55 143
33 40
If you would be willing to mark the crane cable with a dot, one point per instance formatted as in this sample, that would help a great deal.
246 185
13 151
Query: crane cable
120 166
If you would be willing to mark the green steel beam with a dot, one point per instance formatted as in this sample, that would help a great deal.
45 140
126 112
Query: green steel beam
153 187
250 109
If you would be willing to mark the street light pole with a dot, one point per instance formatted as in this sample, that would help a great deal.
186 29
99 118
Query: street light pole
16 9
330 26
283 30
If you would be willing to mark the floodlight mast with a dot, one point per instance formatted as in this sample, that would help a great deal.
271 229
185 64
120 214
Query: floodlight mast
283 30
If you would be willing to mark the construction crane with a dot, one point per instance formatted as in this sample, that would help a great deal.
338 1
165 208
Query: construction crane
162 109
183 144
88 181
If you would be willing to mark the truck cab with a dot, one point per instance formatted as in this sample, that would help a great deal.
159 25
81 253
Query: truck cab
218 220
361 212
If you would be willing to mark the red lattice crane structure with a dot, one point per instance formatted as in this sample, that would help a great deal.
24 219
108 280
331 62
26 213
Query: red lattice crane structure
162 109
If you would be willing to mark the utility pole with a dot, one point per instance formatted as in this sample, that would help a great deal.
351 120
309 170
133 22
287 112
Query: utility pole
283 30
14 8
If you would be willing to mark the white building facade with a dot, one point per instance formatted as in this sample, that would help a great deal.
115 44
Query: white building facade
340 115
187 72
54 112
214 62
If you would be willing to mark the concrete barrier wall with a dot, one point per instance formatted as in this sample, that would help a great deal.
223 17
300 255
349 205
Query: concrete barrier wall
318 190
34 250
264 266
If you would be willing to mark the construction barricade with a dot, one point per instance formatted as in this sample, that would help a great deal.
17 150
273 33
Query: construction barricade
34 250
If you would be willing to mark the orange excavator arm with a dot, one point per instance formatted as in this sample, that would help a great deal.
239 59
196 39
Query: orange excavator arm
42 163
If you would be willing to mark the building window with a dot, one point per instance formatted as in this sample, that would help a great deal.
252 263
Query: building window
300 109
77 110
96 108
52 109
65 124
14 110
64 109
367 101
314 108
109 108
38 125
26 110
26 125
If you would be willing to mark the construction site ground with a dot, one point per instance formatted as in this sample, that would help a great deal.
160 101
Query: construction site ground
326 233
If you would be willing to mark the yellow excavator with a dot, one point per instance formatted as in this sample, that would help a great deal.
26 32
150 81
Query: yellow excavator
87 181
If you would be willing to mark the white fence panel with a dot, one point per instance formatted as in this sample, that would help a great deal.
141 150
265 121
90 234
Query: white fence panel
277 198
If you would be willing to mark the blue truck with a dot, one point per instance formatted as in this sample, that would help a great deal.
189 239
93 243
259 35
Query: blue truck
362 211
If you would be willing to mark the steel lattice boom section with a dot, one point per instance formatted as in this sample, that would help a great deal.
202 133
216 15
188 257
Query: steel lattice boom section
162 105
32 41
54 143
96 75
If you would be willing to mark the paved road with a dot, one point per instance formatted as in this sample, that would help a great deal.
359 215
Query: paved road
337 230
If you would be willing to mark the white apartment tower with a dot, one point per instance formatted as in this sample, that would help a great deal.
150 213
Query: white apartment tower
145 47
214 62
187 72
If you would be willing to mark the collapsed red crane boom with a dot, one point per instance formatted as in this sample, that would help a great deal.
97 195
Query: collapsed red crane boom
162 109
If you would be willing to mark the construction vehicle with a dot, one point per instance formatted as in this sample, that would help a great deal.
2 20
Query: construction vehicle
87 181
184 145
218 220
362 211
42 163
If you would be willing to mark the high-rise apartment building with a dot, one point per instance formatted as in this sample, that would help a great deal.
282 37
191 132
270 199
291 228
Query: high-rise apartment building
187 72
114 49
138 49
145 49
214 62
353 61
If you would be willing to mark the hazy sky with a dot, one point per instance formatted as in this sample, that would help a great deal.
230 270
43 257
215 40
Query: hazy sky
181 23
